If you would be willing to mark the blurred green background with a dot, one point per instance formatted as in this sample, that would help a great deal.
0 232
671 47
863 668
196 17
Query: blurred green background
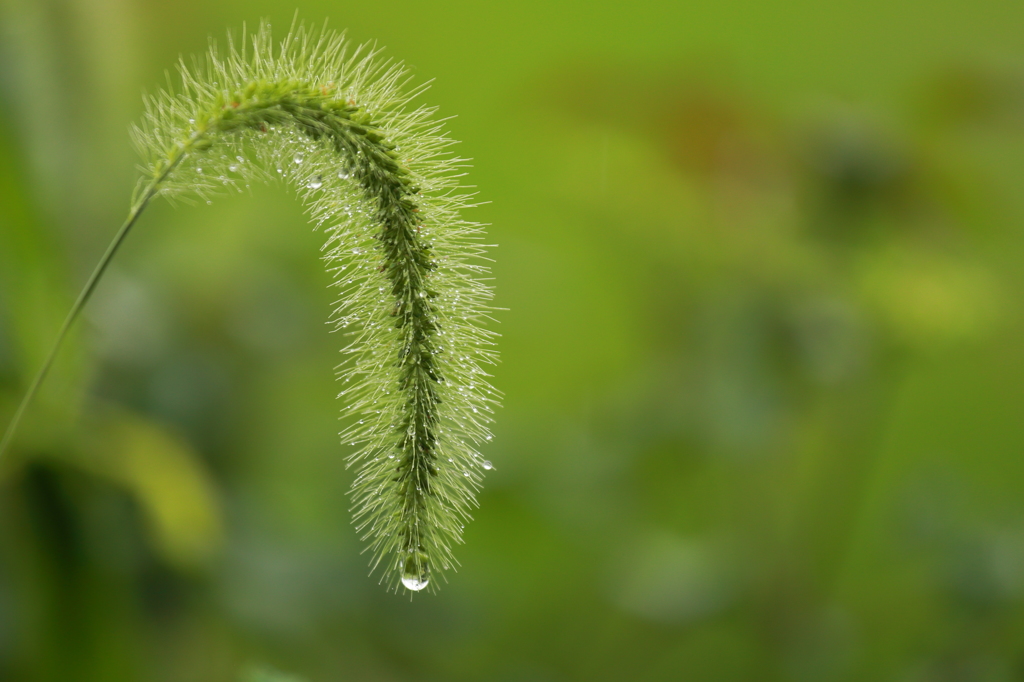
762 355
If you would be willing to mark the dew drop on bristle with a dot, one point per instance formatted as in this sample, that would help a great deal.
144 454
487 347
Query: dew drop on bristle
316 182
415 572
488 465
414 584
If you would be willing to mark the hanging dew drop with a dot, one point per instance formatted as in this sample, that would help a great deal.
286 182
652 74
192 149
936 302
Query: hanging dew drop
488 465
415 572
297 159
316 182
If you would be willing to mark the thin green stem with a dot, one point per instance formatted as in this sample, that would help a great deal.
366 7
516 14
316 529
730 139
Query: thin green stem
90 286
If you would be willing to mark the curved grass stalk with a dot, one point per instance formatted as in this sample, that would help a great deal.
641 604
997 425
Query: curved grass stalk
376 175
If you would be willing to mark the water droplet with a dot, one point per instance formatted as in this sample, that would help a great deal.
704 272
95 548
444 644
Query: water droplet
199 170
297 159
415 572
233 168
466 474
316 182
488 465
343 175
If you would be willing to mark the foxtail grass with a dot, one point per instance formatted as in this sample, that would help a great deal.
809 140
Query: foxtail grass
377 176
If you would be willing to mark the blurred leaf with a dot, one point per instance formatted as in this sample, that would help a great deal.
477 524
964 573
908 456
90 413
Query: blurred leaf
168 480
928 298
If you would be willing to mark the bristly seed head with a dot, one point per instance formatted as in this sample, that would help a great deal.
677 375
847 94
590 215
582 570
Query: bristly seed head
331 119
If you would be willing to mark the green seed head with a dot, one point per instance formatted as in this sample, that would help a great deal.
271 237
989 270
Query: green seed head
328 118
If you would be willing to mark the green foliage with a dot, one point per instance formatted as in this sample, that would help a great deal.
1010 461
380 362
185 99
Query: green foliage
762 361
